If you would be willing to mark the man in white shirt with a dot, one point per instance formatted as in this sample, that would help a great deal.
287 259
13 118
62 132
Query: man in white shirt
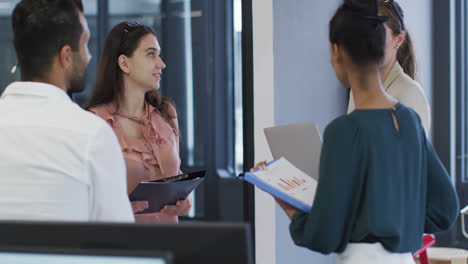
57 161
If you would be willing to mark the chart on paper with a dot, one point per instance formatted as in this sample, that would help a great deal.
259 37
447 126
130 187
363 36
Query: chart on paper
285 177
289 184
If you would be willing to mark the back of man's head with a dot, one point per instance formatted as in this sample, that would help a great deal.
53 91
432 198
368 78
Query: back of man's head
41 28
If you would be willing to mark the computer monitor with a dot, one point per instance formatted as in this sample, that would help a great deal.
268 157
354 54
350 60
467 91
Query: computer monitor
207 243
34 255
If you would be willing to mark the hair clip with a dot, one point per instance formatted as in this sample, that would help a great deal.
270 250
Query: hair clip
380 19
395 8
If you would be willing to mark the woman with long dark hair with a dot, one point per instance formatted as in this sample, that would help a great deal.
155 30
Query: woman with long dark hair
381 183
126 97
398 69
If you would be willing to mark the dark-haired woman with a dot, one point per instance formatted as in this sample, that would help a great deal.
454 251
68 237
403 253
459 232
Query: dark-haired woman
126 97
399 65
381 183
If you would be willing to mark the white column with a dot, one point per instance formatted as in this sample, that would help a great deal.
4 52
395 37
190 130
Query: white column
265 219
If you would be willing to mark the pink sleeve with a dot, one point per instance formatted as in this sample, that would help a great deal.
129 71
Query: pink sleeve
103 112
173 113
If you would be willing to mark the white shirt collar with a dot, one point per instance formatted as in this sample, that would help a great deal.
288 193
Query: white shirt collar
36 89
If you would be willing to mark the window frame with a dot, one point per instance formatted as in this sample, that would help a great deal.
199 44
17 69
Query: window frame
211 203
449 104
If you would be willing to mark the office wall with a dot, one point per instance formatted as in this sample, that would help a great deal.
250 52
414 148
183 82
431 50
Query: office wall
306 87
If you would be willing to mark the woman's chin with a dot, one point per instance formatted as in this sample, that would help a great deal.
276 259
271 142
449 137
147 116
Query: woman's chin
153 88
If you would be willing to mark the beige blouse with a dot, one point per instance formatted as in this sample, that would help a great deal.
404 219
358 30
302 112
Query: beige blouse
153 157
407 91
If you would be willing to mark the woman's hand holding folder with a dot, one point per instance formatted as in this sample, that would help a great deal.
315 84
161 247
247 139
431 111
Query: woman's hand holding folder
139 206
288 209
182 208
259 166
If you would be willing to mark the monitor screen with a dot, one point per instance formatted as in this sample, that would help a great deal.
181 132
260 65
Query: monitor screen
206 243
36 258
18 254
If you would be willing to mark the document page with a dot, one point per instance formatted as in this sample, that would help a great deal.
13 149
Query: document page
287 179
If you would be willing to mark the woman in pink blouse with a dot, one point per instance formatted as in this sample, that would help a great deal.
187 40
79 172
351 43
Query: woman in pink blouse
126 97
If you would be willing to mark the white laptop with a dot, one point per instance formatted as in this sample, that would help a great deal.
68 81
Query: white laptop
300 144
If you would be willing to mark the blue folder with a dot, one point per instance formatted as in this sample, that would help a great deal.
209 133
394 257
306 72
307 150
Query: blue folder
250 177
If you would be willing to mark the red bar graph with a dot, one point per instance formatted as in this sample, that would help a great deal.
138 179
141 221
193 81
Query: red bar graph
282 187
288 184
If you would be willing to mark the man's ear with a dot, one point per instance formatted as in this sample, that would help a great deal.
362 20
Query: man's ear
336 52
65 57
123 63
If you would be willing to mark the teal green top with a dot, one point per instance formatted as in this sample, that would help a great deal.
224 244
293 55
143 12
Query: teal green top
376 180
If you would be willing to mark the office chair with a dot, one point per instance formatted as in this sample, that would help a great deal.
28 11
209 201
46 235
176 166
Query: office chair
464 212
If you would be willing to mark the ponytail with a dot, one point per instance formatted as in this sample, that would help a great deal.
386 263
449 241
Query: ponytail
406 57
405 54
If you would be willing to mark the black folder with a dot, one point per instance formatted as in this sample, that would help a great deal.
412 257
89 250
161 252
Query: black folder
166 191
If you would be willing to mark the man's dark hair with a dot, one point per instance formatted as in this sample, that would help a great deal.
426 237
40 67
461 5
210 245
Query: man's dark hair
41 28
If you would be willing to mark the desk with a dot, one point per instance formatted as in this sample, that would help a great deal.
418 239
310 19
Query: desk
440 255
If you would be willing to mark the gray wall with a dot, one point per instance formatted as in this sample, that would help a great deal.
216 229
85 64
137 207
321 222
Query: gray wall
306 87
